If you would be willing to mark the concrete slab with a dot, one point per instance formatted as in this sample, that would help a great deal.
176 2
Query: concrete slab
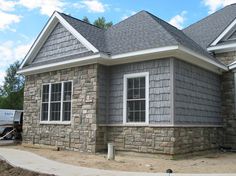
33 162
6 142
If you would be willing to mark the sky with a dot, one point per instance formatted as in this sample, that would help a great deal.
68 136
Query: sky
22 20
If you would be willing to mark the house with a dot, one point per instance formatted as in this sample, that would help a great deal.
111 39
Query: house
142 84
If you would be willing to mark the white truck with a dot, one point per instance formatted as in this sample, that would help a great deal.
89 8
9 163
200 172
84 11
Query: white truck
8 120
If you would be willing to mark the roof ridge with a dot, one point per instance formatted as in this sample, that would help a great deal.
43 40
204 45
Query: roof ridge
180 32
81 20
153 16
126 19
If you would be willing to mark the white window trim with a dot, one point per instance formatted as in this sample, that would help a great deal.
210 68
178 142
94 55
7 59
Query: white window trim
136 75
49 104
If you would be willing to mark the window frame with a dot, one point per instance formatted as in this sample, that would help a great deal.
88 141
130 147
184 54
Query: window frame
61 104
125 80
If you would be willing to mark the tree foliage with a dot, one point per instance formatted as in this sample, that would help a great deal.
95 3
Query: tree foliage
85 19
100 22
12 91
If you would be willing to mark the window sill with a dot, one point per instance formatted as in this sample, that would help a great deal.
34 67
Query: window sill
54 123
136 124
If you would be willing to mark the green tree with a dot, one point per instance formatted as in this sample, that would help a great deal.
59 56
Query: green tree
12 91
101 22
85 19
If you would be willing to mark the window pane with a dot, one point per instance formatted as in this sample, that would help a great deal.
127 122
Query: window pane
136 118
136 94
142 105
142 116
136 83
130 83
66 111
55 111
45 93
136 110
67 91
130 94
142 82
142 93
56 92
130 105
130 117
137 105
44 113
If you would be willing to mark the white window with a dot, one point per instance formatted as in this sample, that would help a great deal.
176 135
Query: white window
136 98
56 102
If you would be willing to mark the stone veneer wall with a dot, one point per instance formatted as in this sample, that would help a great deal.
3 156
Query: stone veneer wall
228 100
227 58
164 140
81 133
228 109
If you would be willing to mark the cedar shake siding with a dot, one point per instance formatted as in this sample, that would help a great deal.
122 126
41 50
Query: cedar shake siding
197 97
60 43
159 90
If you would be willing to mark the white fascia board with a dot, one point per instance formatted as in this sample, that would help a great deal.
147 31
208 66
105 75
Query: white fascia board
203 58
84 41
232 65
63 64
223 48
224 33
144 52
180 52
55 18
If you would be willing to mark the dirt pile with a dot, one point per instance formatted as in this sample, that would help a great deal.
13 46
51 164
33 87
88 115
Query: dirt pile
8 170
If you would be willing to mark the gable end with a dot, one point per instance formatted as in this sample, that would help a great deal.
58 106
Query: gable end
36 50
60 43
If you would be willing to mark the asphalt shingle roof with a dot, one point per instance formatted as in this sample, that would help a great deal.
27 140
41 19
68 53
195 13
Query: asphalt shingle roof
93 34
138 32
205 31
146 31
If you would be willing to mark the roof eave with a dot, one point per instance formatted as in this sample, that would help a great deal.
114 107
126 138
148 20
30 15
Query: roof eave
222 48
179 52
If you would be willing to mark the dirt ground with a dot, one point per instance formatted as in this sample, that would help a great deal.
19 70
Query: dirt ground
211 163
8 170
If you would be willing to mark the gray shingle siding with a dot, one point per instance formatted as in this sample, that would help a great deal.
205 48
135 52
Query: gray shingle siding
103 92
197 95
60 43
159 90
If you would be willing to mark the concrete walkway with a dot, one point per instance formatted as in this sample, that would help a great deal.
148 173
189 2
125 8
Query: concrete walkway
33 162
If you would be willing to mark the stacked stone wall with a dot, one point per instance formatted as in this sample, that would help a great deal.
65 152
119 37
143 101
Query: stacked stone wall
165 140
81 133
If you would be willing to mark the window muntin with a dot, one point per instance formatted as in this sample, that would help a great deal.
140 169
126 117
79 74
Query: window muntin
136 98
56 102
